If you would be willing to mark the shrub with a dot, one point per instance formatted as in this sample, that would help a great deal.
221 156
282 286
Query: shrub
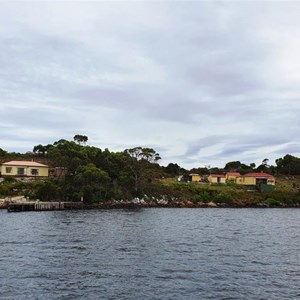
9 179
197 198
272 202
224 197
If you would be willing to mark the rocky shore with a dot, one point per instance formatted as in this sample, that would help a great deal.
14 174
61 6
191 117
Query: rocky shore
175 203
163 201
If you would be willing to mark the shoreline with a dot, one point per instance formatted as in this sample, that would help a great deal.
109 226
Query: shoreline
178 204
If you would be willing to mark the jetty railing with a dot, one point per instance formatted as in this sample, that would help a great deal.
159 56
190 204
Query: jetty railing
41 206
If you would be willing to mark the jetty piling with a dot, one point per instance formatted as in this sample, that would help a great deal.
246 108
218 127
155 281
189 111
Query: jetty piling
42 206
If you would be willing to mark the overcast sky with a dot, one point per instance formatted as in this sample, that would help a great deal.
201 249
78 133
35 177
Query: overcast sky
203 82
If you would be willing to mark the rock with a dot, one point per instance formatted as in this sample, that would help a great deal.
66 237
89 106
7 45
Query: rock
162 201
136 201
189 204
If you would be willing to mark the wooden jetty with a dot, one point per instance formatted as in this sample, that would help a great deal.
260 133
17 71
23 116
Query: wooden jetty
40 206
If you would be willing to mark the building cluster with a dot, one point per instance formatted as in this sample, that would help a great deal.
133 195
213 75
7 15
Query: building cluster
261 179
31 169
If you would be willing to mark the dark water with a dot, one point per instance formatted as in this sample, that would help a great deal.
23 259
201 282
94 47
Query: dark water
151 254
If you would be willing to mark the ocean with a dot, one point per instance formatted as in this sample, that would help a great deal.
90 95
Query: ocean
151 253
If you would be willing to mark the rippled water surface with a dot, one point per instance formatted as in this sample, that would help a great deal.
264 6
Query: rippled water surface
151 254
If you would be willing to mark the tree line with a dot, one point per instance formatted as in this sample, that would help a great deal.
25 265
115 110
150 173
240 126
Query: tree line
93 174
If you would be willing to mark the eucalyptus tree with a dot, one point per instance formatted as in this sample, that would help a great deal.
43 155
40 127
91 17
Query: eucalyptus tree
67 154
2 152
289 164
92 183
41 149
140 159
140 153
80 139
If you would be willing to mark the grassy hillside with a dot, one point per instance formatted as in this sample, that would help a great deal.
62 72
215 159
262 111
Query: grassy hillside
286 193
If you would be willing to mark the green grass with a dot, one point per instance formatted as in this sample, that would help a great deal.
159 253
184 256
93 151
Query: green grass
286 192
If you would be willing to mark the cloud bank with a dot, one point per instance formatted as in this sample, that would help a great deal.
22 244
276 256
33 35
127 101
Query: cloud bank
202 82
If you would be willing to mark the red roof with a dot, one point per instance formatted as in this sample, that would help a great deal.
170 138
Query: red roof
233 173
258 175
217 175
23 163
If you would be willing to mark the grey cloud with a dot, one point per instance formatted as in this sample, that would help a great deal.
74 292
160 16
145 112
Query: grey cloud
166 107
238 151
232 68
288 149
32 117
184 161
235 147
214 85
48 65
114 98
194 147
224 82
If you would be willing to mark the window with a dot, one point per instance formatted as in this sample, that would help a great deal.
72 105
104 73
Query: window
35 172
21 171
8 169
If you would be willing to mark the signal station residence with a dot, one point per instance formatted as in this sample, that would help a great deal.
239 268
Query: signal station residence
24 169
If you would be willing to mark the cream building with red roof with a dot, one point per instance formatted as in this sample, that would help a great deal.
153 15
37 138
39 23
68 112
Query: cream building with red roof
217 178
256 179
24 168
231 176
